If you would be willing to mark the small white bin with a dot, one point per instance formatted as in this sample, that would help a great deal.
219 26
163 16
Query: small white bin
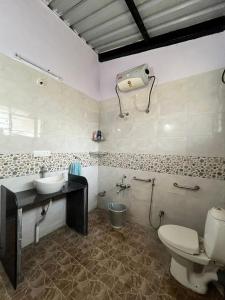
117 214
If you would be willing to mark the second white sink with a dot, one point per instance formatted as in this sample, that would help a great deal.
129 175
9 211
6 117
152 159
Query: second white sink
49 185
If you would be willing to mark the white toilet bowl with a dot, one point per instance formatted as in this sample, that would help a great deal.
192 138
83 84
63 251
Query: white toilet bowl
195 261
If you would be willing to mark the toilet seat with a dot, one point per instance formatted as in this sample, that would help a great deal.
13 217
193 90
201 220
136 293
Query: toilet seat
181 238
172 235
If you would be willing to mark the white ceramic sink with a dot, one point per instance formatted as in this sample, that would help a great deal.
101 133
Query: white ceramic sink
49 185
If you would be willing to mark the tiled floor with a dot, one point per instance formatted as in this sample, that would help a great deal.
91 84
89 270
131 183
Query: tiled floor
107 264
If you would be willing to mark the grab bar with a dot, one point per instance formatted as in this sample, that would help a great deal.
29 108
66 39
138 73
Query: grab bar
140 179
194 188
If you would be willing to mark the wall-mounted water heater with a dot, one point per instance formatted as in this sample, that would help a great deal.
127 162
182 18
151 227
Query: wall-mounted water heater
133 78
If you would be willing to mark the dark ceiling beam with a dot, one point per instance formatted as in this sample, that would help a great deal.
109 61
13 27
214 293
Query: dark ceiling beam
193 32
138 20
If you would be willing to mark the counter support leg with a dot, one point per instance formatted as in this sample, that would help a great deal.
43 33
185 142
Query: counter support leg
77 211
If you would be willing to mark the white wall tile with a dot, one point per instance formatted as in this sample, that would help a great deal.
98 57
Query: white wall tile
200 124
186 117
53 116
182 207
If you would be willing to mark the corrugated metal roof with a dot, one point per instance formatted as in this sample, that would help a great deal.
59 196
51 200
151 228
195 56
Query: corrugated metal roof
108 24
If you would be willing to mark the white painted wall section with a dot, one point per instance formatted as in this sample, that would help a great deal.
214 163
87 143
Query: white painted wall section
168 63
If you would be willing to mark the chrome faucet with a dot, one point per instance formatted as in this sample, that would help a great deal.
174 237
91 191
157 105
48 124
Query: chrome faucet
122 188
122 185
42 172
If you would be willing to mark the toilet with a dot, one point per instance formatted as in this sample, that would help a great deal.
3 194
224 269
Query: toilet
195 261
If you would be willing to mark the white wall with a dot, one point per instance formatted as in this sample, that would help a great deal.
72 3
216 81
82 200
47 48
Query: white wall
187 117
29 28
187 123
32 30
181 207
53 117
169 63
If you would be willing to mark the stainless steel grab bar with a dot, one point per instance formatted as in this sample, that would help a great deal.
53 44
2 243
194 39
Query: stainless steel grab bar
194 188
140 179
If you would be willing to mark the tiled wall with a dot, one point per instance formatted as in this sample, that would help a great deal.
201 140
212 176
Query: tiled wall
187 117
22 164
183 207
181 140
194 166
51 117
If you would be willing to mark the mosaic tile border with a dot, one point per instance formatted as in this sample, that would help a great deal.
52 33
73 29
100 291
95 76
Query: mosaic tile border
195 166
15 165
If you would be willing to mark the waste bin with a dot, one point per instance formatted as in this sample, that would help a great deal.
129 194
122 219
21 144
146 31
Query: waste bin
117 214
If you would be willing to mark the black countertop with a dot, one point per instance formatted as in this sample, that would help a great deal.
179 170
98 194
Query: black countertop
30 198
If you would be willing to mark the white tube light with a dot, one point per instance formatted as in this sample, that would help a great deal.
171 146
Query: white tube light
29 63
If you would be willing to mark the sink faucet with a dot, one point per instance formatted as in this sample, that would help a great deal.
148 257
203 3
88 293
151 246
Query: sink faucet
42 172
122 185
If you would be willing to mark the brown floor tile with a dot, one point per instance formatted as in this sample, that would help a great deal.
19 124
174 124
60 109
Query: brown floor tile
3 291
108 264
68 281
93 289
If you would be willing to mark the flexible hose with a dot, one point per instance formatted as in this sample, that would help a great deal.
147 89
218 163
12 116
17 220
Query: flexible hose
149 96
43 216
150 209
121 114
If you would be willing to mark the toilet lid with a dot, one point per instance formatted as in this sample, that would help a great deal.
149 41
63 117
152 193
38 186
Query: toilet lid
182 238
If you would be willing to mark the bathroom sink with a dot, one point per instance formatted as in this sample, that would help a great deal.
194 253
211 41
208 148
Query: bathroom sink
49 185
